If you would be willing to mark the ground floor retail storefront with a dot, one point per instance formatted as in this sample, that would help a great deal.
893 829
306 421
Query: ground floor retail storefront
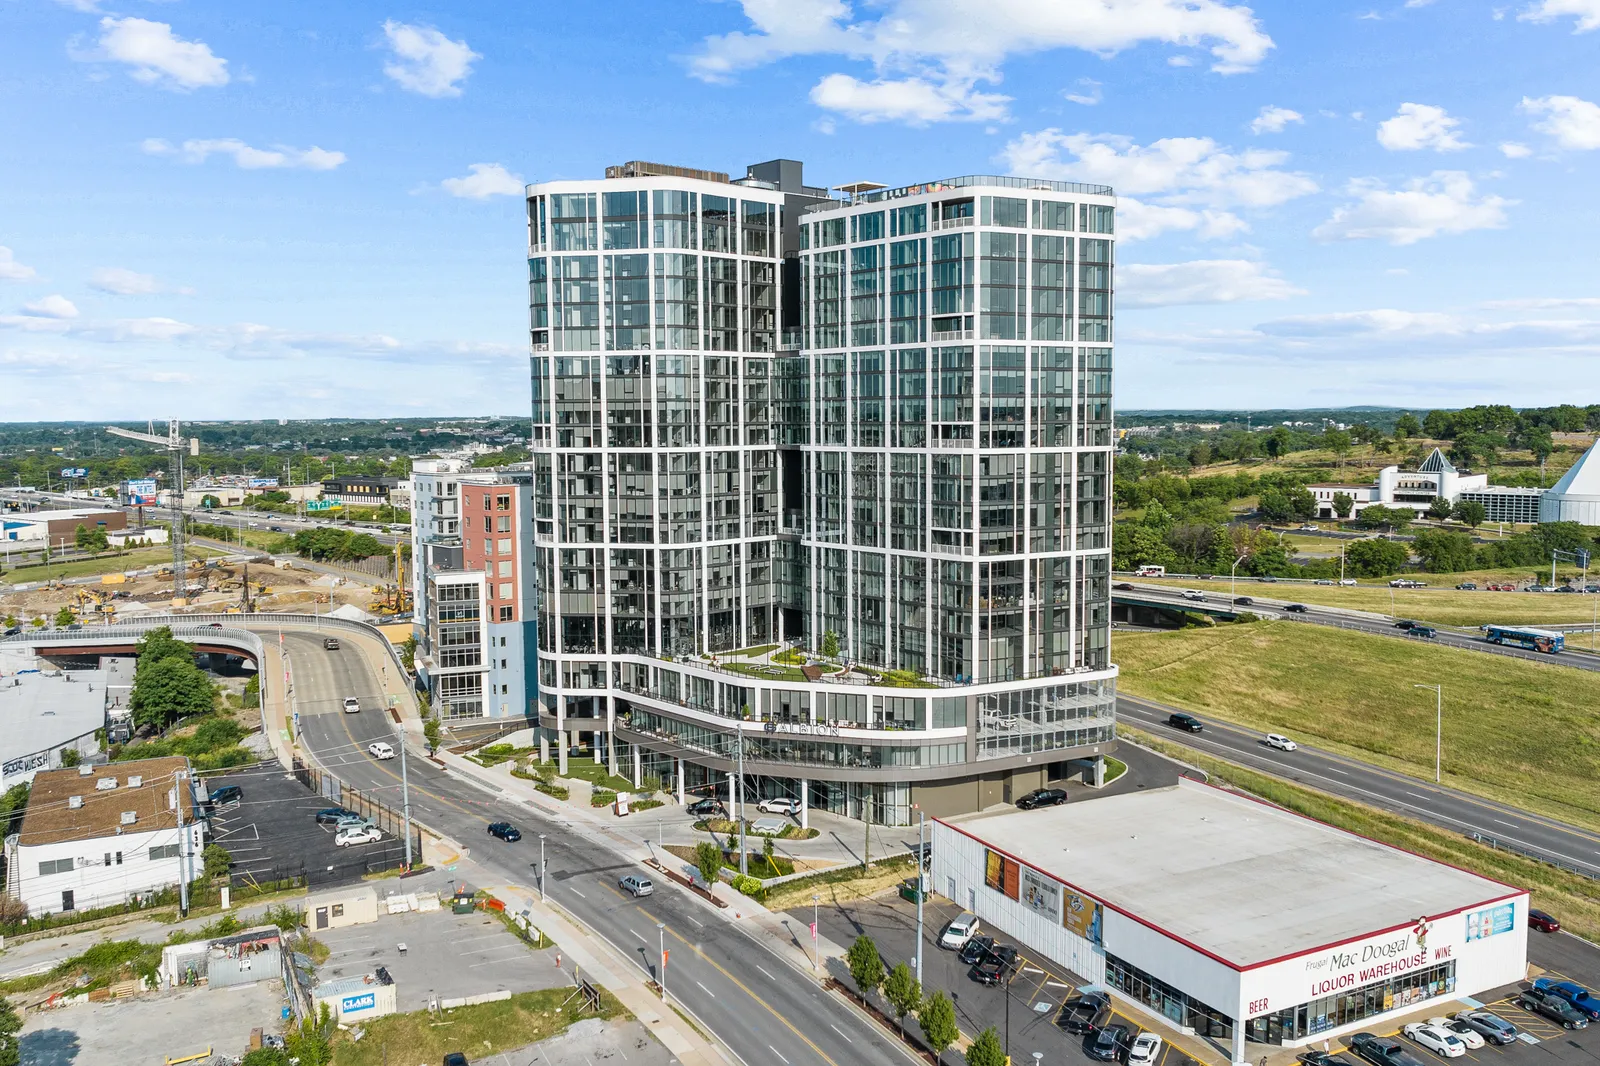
1231 919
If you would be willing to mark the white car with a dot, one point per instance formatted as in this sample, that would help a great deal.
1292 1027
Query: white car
1462 1031
780 805
366 835
1144 1050
960 930
1436 1039
1193 594
1282 743
379 749
352 705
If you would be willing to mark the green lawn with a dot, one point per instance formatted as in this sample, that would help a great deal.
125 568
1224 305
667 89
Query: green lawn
583 769
481 1032
136 559
1516 731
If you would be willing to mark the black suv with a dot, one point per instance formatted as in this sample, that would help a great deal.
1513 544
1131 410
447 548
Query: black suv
1382 1051
331 815
707 806
1042 797
1109 1043
1185 721
227 794
1080 1015
505 831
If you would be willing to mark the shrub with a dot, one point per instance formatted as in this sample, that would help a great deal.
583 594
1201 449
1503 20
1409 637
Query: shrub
749 886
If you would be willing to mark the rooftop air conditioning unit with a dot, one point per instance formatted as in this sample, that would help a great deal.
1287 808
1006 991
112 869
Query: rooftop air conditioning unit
135 780
74 802
85 771
105 784
129 817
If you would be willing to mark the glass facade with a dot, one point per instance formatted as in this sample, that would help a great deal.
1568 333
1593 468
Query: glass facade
1176 1006
1346 1008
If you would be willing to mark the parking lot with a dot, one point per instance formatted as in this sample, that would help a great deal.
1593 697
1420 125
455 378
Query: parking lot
272 832
1041 986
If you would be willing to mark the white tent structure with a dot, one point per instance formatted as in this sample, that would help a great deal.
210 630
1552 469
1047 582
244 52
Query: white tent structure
1576 497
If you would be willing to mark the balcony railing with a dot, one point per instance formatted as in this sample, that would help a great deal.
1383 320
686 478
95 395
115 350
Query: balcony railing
952 223
952 335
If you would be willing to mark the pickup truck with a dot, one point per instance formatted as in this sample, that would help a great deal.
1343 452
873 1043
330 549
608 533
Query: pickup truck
1382 1051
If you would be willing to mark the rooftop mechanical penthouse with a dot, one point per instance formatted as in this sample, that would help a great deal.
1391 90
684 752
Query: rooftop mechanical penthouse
764 414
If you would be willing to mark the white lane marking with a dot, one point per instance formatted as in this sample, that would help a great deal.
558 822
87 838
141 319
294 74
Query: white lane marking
776 1052
642 939
1511 824
769 977
840 1031
1336 770
1419 795
706 990
580 895
695 920
1057 984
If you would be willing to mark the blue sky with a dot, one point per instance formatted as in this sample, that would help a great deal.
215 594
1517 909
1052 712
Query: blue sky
304 210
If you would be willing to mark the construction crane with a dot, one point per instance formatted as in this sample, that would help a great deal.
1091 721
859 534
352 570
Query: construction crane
175 445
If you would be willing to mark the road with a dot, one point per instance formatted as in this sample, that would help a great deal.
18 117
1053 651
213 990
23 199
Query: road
1361 622
750 998
1350 779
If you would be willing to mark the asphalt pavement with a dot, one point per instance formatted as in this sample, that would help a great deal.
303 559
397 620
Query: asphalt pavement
751 998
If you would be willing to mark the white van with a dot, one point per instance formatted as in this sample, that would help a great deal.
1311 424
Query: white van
1150 571
960 930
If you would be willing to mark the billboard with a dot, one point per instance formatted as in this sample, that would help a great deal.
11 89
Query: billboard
141 492
74 471
263 482
1082 916
1041 893
1490 921
1001 874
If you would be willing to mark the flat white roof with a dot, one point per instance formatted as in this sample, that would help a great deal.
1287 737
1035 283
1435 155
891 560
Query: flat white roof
1243 881
40 711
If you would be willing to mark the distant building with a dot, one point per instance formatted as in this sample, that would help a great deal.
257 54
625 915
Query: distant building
45 714
59 528
359 491
1435 476
1576 497
1502 504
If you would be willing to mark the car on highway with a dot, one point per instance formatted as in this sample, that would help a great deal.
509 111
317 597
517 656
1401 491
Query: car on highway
349 837
1488 1025
330 643
1437 1039
1407 583
1280 742
1296 608
1145 1050
1463 1032
636 886
779 805
1545 1002
1382 1051
962 928
1186 722
995 967
1468 586
1425 632
505 831
1537 588
275 529
1267 579
1405 623
380 749
1545 923
705 807
331 815
1347 581
352 705
1042 797
1574 994
1122 586
1242 601
1108 1043
977 949
1193 594
1323 581
1082 1014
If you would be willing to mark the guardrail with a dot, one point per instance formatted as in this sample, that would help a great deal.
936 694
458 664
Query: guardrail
1500 845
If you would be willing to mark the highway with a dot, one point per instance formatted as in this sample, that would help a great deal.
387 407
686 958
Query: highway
1350 779
752 999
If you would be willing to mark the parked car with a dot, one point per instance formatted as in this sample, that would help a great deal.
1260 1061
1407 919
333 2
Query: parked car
331 815
995 967
976 950
1440 1041
347 837
1543 1001
1281 742
379 749
705 807
352 705
636 886
1082 1014
1347 581
1145 1049
1567 588
1464 1032
352 821
330 643
226 794
1325 1058
1042 797
1185 721
1193 594
1267 579
962 928
780 805
1488 1025
1545 923
1108 1043
1122 586
1382 1051
1574 994
1243 601
505 831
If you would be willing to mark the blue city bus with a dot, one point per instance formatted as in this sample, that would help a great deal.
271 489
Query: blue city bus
1545 640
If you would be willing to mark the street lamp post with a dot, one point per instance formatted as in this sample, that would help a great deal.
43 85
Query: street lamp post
661 938
1233 575
541 867
816 961
1438 735
922 880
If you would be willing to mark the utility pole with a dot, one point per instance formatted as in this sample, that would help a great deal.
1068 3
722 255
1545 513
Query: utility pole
405 793
183 850
744 852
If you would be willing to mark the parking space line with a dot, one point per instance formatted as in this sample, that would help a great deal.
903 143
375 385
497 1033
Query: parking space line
776 1052
840 1031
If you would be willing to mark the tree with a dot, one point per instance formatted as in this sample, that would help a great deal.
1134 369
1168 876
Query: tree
830 643
1275 507
866 967
1440 508
217 860
1343 503
311 1043
10 1026
986 1050
1199 455
1375 558
1537 440
1470 513
70 757
168 690
431 732
1278 442
1337 441
937 1016
1444 551
903 992
209 502
265 1056
1302 503
1407 426
708 860
65 617
767 849
159 644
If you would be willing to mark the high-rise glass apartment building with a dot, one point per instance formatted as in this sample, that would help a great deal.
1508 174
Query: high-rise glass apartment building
763 415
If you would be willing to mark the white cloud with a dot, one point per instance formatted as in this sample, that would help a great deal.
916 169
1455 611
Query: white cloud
426 61
1089 96
1513 150
11 270
1274 119
1139 221
1572 121
1544 303
157 56
1417 126
914 101
56 306
1180 61
1444 202
928 57
1202 281
122 282
1586 12
279 156
486 180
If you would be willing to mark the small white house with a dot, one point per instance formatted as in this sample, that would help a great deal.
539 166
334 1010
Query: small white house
95 836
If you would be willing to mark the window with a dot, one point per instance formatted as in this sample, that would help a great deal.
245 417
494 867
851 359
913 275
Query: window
505 568
502 524
486 526
1094 218
867 227
163 851
501 503
1005 211
506 614
1048 215
337 910
907 220
504 546
505 590
55 866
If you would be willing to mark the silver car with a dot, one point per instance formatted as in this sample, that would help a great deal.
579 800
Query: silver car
636 886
